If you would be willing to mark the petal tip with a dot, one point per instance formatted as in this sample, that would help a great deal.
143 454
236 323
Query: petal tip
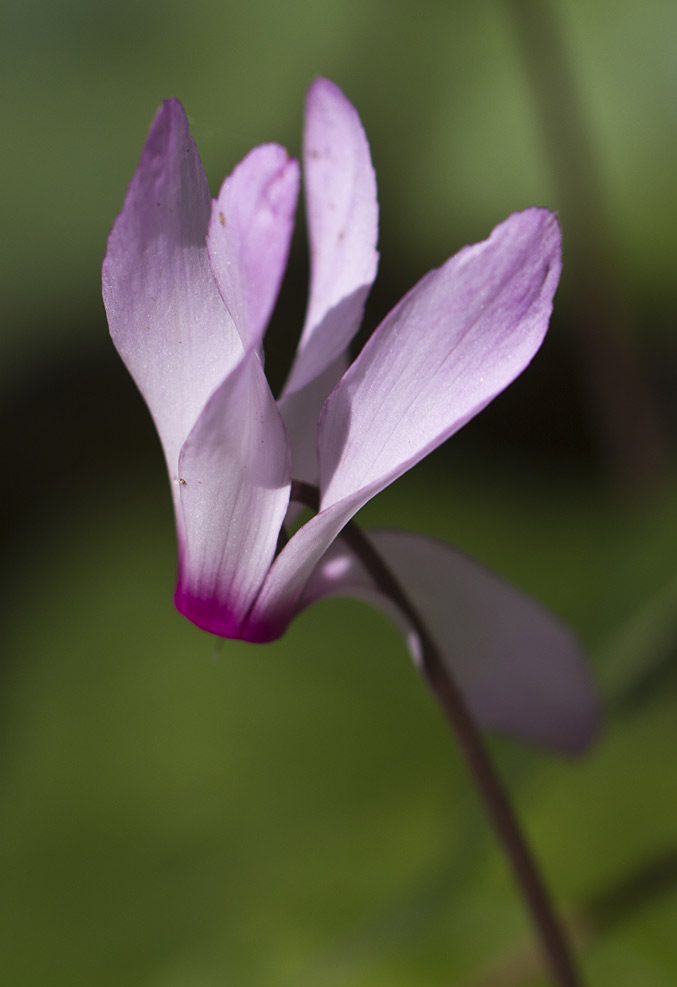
169 120
321 86
324 95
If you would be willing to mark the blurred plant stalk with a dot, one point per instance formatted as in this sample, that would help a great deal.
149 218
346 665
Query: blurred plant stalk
556 949
603 913
626 419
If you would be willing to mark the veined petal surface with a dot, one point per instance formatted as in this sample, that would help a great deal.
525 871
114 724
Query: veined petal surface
342 213
165 313
460 336
234 492
249 236
454 342
520 671
235 465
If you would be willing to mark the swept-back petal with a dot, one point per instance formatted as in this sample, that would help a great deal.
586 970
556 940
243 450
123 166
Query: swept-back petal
456 340
342 214
249 236
165 314
460 336
521 672
234 491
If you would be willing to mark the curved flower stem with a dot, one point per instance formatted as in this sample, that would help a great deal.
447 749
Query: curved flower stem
554 945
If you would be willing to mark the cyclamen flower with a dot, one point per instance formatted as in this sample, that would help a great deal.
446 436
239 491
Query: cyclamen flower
189 285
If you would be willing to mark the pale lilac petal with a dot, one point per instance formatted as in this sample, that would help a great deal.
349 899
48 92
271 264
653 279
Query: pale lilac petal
342 216
521 671
454 342
165 313
460 336
277 602
234 491
300 411
249 236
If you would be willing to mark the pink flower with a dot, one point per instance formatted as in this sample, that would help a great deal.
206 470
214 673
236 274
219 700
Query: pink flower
189 285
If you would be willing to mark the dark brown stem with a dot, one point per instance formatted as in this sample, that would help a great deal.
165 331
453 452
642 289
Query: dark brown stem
555 949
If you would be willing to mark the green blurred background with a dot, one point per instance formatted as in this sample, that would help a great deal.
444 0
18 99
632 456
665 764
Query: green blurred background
179 812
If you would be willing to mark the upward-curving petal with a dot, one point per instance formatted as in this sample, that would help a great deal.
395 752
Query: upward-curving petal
249 236
454 342
520 671
342 214
459 337
165 313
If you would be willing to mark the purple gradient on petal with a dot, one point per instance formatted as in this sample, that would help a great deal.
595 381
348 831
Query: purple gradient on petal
235 491
213 615
210 614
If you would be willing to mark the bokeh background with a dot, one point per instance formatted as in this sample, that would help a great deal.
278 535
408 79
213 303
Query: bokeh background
179 812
